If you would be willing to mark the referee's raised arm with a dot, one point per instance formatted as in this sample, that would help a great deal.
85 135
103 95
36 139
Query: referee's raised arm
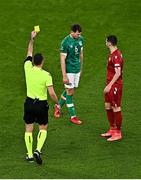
30 45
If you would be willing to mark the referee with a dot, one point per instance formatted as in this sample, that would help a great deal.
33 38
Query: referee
38 81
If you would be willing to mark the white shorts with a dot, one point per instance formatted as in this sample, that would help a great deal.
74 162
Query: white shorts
73 80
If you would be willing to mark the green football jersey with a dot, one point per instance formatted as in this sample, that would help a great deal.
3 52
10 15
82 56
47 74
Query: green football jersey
72 48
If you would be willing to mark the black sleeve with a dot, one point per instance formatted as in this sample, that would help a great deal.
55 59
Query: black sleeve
29 58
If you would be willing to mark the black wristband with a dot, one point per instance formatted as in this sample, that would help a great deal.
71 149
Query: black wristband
29 58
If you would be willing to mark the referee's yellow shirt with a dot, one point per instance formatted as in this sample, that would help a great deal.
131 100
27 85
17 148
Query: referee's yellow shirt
37 81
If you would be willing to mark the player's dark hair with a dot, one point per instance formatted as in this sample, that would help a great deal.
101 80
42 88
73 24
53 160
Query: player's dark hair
76 27
112 39
38 59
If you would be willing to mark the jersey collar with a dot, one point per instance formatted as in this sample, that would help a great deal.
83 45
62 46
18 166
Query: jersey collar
36 67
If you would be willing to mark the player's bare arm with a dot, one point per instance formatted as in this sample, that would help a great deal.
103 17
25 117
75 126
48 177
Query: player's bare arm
63 68
81 59
115 78
30 45
52 94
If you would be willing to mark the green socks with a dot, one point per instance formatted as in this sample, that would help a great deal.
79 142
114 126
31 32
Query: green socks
29 141
68 100
63 98
70 105
42 135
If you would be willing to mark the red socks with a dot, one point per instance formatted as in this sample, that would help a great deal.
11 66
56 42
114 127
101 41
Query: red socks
114 118
118 119
111 119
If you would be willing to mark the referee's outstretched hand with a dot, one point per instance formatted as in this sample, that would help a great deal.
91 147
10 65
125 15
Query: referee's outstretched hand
33 34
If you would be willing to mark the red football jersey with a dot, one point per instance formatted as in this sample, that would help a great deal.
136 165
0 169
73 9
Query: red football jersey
115 61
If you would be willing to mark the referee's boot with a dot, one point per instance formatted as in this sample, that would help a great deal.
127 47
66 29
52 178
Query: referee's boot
37 156
29 159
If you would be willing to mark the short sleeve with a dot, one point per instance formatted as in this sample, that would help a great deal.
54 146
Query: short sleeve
117 60
28 65
81 43
49 80
63 48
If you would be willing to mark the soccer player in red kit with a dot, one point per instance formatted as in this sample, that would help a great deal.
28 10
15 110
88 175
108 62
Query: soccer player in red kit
113 90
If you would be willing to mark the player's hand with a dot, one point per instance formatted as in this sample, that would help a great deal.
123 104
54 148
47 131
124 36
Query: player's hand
65 80
33 34
107 89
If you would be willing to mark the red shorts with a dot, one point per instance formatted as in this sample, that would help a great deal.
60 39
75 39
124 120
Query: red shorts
114 95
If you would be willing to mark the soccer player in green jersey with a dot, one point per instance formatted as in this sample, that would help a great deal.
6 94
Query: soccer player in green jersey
71 56
38 81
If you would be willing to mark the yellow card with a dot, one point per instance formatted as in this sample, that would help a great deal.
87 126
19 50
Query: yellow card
37 29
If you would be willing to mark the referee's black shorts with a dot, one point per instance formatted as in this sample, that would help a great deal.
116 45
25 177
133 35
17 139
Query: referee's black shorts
36 111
